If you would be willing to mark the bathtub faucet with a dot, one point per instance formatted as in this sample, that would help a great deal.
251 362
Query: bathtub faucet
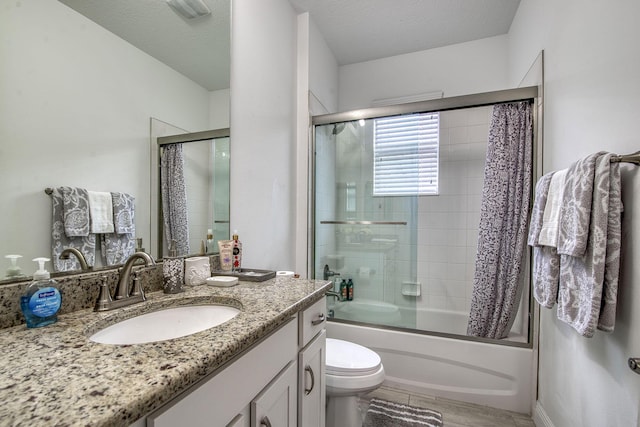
335 294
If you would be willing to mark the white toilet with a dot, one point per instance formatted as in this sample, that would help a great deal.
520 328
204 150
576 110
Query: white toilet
351 371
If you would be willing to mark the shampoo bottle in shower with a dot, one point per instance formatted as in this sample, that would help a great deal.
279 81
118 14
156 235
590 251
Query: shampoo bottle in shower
350 290
41 301
344 292
237 252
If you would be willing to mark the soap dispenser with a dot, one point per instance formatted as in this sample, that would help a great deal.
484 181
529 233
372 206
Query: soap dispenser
41 301
14 272
210 248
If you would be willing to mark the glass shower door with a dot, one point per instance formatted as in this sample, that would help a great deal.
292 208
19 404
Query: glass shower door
366 242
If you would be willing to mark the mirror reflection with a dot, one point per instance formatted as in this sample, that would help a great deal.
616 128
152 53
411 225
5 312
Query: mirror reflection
193 176
77 97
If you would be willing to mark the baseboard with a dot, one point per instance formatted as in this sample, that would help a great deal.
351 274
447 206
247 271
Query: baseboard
540 417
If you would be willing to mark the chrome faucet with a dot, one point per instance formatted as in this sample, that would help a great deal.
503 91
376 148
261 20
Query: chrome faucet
328 273
81 259
122 296
335 294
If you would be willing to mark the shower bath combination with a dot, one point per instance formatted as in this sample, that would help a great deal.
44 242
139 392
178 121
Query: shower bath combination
369 214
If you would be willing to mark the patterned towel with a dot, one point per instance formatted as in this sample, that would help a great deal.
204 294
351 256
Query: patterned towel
589 282
61 240
123 213
546 261
119 246
576 206
537 213
382 413
74 203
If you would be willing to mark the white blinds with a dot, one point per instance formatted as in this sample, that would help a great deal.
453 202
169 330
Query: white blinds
405 155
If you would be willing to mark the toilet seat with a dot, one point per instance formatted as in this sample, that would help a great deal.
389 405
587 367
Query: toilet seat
344 358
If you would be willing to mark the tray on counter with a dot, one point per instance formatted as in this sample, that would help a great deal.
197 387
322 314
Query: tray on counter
248 274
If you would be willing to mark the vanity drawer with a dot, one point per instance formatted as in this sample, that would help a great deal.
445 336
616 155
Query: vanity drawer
312 321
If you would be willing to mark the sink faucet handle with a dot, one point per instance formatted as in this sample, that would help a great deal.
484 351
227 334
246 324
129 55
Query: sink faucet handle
104 297
137 288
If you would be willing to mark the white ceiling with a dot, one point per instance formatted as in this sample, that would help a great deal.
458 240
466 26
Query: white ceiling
355 30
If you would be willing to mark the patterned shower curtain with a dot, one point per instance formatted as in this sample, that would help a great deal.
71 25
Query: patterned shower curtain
497 283
174 198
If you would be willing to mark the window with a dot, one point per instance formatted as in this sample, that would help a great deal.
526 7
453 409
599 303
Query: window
405 155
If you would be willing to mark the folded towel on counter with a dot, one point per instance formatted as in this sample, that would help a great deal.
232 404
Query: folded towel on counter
101 211
577 205
537 213
551 217
74 205
123 213
582 277
61 240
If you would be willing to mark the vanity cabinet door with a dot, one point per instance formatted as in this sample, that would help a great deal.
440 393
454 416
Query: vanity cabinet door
275 406
312 389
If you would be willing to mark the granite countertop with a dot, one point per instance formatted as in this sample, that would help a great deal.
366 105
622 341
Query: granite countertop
55 376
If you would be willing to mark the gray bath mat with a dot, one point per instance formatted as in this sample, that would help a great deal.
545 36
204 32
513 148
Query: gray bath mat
382 413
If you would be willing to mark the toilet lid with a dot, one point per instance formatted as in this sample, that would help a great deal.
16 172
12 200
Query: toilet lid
347 358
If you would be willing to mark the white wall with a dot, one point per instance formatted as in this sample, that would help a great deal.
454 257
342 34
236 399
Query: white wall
592 90
263 132
461 69
75 106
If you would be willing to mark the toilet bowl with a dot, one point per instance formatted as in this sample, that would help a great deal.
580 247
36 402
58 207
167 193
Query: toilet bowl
351 371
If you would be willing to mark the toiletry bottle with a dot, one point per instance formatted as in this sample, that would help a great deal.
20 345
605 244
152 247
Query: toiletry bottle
210 247
343 290
237 252
350 290
41 301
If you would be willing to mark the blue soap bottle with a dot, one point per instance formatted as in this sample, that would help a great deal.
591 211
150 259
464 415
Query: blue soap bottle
41 301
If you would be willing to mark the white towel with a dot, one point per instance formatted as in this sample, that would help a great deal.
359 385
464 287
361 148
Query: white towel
101 211
551 218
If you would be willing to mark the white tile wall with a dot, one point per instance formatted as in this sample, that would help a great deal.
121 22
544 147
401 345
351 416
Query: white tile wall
448 223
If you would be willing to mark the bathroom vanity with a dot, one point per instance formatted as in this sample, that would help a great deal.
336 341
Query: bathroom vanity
263 367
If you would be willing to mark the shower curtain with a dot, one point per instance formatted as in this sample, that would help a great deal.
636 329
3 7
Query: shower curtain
497 283
174 198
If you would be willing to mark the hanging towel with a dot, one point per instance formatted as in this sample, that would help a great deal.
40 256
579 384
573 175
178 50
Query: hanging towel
606 321
123 213
537 212
101 210
546 275
75 211
551 218
576 208
546 262
119 246
582 278
60 240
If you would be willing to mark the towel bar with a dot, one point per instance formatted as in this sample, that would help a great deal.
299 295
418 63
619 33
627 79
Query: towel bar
628 158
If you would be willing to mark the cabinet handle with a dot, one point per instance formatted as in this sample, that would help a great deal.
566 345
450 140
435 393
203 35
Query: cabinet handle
265 422
307 391
319 320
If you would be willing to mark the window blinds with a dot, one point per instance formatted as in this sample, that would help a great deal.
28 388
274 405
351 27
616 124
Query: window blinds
406 155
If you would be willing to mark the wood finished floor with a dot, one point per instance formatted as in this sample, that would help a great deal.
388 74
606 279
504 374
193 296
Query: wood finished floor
454 413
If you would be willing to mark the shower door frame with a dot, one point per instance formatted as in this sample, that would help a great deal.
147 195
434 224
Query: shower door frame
531 93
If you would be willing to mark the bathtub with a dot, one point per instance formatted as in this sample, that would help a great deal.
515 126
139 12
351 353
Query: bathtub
499 376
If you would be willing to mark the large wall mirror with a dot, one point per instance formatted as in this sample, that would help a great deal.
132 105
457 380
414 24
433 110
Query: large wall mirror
80 81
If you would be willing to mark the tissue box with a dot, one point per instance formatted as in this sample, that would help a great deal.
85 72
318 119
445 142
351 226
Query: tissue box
196 270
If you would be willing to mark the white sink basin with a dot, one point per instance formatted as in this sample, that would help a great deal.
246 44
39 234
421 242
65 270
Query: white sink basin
165 324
